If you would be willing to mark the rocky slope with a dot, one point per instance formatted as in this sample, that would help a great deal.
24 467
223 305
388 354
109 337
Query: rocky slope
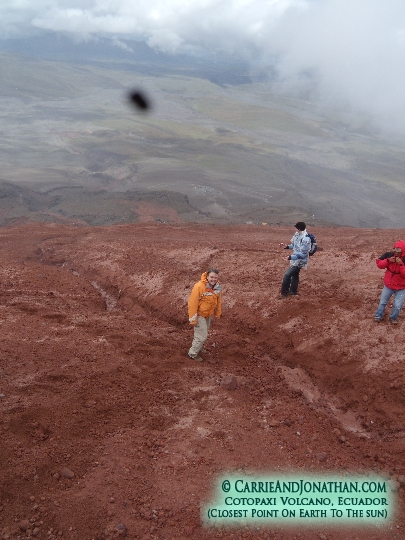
109 430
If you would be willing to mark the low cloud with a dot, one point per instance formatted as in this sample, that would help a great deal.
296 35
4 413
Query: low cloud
353 52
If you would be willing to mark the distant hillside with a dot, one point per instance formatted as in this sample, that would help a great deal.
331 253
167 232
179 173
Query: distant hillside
102 207
125 55
235 151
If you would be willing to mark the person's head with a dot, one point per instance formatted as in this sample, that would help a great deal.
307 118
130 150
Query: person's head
300 226
212 276
399 248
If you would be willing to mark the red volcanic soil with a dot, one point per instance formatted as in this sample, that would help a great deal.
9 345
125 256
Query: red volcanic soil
108 429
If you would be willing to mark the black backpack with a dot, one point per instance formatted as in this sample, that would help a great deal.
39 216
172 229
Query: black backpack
314 245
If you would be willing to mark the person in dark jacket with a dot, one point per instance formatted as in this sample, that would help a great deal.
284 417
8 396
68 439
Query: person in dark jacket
393 262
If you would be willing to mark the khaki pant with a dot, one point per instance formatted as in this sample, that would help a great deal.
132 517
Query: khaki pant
200 335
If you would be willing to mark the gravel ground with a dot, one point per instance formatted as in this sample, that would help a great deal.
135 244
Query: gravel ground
108 430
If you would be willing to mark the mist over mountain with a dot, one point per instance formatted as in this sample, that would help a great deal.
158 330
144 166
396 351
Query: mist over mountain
59 47
349 55
239 152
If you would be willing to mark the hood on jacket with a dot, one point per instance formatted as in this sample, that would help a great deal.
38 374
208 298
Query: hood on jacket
217 286
204 276
400 244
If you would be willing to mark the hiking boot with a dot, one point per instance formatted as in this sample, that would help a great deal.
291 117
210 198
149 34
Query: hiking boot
377 319
283 296
394 321
196 358
293 293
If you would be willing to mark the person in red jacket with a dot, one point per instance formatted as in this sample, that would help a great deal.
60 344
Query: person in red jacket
393 262
204 303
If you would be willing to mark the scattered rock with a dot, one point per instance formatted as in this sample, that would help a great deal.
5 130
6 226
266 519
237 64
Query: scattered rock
401 479
90 403
25 524
121 531
115 532
395 486
273 423
67 473
229 382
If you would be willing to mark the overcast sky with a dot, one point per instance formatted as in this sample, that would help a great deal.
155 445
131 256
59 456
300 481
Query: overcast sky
355 49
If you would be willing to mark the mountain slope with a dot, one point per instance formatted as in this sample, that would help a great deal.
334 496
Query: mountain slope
108 426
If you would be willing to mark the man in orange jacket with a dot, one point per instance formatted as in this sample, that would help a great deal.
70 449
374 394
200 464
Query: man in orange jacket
204 304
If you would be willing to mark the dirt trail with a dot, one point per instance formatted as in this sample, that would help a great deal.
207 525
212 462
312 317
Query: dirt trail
108 429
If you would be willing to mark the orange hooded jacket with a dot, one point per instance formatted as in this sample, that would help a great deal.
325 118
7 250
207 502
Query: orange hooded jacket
204 300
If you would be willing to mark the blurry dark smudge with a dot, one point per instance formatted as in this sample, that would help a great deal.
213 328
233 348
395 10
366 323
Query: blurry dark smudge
139 100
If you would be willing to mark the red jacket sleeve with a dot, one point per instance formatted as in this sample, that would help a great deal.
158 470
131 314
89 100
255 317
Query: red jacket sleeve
382 263
395 268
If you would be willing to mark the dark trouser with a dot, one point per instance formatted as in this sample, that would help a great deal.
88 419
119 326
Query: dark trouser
290 280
